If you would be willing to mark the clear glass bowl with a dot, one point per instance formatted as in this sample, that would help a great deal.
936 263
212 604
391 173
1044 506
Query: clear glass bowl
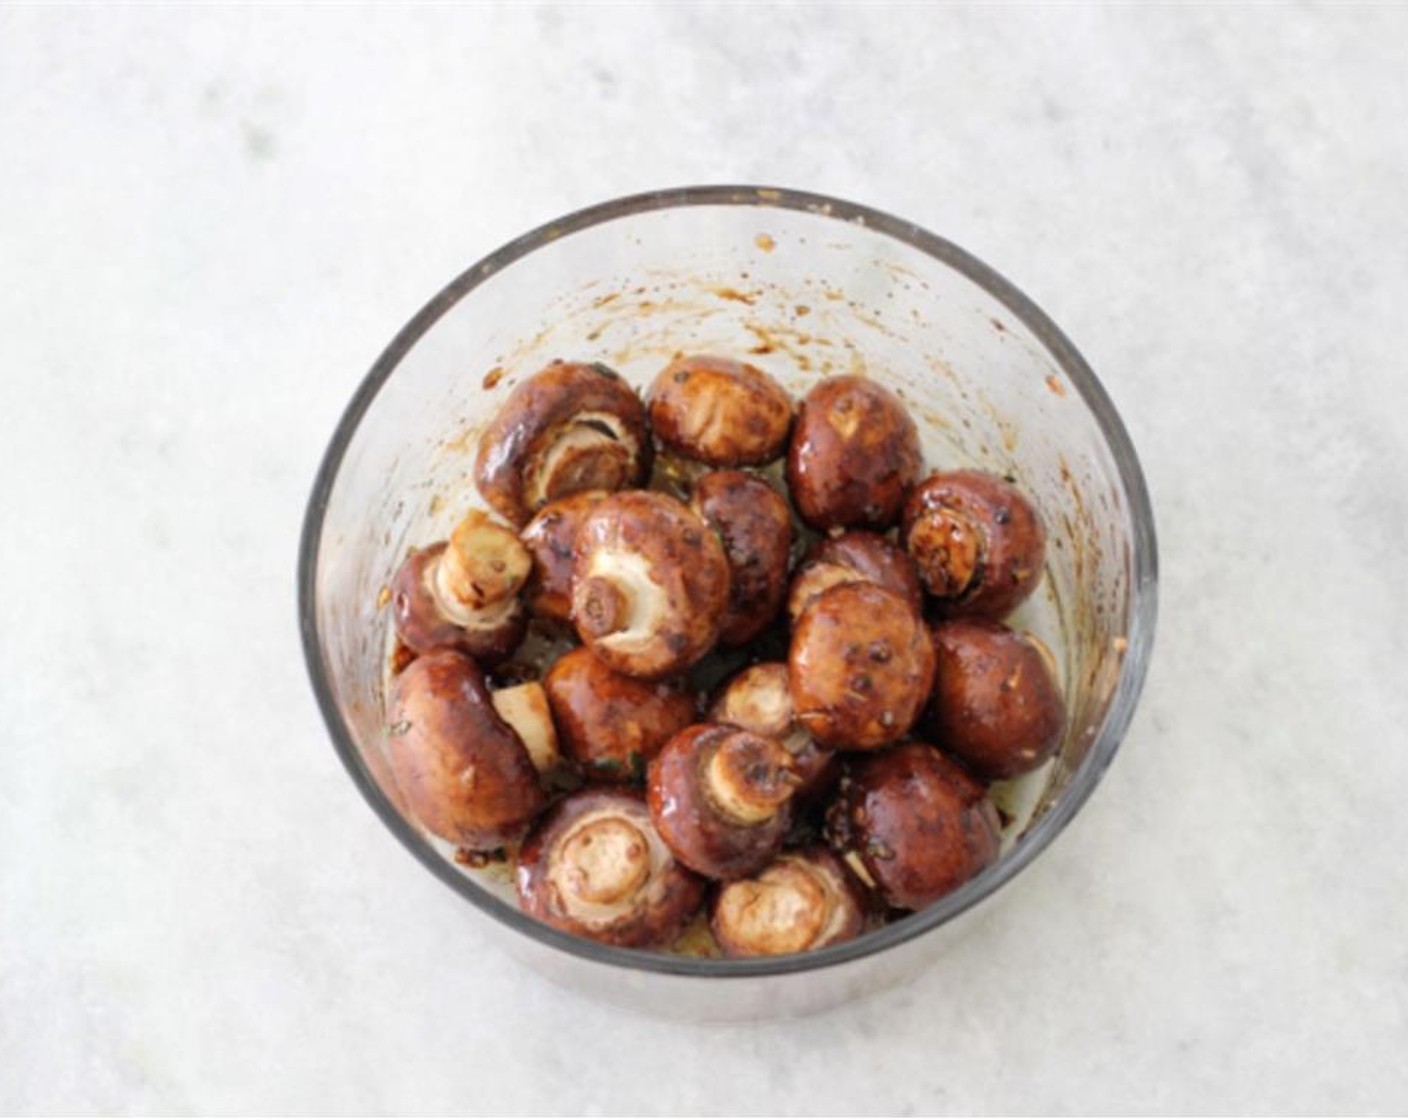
805 286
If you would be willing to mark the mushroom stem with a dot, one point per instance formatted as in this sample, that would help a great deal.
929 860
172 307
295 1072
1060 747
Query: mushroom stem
524 708
485 564
750 777
605 861
947 545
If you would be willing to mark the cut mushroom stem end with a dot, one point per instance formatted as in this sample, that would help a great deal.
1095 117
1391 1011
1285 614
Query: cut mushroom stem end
750 777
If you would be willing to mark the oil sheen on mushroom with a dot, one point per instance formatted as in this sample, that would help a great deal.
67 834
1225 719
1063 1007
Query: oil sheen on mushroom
571 427
755 526
916 823
610 724
465 774
595 866
759 699
977 541
720 411
720 798
854 455
802 900
650 584
861 667
463 593
854 557
996 704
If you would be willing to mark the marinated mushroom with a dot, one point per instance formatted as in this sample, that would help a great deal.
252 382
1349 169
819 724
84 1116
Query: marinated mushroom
861 667
571 427
596 867
720 798
755 526
977 541
610 724
650 584
854 557
996 705
802 900
719 411
463 593
548 538
464 772
912 822
758 699
854 455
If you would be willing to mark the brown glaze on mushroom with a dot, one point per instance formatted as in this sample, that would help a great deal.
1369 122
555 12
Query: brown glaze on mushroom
758 699
861 667
755 526
569 428
548 538
996 705
612 725
855 557
854 455
719 411
465 774
977 541
720 798
650 584
596 867
463 593
802 900
917 823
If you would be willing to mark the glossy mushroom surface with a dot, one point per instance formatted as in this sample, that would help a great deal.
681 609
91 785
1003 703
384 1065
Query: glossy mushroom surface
610 724
595 866
854 455
571 427
977 541
463 593
854 557
720 411
918 824
650 584
802 900
549 537
861 667
465 774
996 704
720 798
759 699
755 527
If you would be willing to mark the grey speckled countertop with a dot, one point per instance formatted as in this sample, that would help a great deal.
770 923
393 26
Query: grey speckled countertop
213 221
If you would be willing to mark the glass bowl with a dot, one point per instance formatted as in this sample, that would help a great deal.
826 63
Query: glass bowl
804 286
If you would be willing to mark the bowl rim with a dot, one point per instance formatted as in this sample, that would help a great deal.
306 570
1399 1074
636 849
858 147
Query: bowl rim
1143 562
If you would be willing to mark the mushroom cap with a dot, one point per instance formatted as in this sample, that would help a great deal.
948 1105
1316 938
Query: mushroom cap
595 866
802 900
755 526
977 541
854 557
549 537
861 667
427 620
721 799
759 699
722 412
996 705
612 725
650 584
464 773
853 456
571 427
919 823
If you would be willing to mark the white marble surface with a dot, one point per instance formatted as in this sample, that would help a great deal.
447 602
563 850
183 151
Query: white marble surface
210 223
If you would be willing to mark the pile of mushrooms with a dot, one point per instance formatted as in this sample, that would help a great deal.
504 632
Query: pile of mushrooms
786 679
